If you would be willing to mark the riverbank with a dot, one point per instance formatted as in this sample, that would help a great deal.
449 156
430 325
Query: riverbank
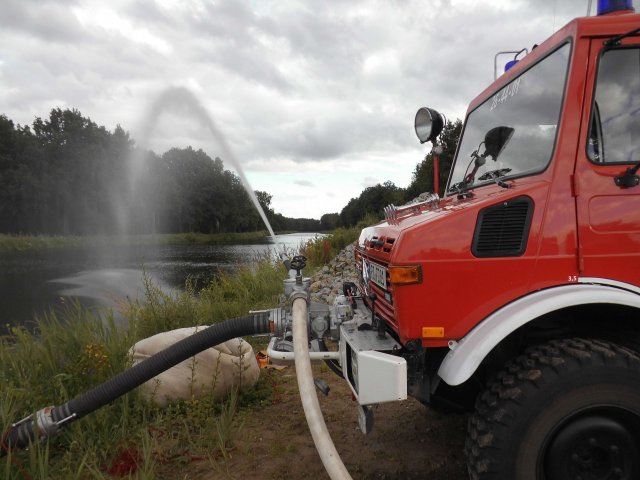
15 243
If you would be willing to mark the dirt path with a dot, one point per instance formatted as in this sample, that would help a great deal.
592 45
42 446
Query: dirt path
409 441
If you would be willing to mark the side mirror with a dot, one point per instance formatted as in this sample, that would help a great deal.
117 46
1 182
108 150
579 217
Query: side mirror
428 124
496 139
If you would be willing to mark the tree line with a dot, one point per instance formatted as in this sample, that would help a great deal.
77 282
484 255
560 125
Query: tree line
66 175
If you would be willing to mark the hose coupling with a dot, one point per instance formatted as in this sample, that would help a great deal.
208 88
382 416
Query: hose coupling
262 321
44 421
38 426
296 288
296 294
277 321
45 426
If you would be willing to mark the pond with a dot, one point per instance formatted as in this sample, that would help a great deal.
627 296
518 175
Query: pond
36 281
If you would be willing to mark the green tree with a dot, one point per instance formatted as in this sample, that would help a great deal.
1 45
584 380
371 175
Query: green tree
371 202
330 221
78 165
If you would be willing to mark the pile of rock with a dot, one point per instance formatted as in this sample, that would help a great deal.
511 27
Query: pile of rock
327 282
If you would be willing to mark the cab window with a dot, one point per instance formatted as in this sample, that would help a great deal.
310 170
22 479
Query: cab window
614 131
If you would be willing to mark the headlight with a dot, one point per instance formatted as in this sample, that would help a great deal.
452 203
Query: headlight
428 124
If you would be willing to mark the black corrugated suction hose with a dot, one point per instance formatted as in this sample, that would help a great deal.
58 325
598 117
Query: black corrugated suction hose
45 424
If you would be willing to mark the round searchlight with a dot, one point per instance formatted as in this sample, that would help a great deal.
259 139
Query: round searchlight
428 124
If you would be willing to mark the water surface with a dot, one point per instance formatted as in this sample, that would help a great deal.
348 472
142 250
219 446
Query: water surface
34 282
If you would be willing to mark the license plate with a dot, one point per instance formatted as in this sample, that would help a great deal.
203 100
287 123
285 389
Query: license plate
378 275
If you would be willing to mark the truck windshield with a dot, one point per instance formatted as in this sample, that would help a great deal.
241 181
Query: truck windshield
513 132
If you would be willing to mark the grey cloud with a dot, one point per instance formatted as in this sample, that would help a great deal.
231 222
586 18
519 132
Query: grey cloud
149 12
227 34
72 76
48 20
304 183
327 138
328 46
248 63
325 37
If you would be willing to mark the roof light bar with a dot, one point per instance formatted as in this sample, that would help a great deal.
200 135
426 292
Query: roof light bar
609 6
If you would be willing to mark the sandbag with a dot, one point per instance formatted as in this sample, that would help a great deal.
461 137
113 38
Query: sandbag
216 370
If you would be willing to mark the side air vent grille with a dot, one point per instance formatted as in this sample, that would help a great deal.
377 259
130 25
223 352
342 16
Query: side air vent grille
502 230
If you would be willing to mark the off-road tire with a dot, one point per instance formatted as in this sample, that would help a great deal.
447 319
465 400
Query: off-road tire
631 340
565 410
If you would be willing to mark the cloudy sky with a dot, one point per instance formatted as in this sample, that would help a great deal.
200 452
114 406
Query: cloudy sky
316 99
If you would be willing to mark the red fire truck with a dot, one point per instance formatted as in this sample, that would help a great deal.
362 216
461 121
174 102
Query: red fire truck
517 294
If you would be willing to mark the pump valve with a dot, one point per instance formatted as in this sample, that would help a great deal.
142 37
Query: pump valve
298 263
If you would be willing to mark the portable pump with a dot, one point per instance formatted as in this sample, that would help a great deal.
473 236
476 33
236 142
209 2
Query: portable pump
367 357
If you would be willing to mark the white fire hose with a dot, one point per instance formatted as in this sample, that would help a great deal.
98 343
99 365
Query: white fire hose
321 438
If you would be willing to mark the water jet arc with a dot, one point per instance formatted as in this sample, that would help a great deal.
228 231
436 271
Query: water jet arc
181 100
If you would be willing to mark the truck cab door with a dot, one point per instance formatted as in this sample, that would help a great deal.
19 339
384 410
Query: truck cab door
608 214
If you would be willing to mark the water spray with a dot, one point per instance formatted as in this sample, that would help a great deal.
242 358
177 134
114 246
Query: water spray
181 100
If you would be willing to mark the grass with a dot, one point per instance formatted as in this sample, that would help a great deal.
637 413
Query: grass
72 352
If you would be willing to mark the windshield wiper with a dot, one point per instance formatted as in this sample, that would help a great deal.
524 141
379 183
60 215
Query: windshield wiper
495 176
615 41
459 187
462 187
